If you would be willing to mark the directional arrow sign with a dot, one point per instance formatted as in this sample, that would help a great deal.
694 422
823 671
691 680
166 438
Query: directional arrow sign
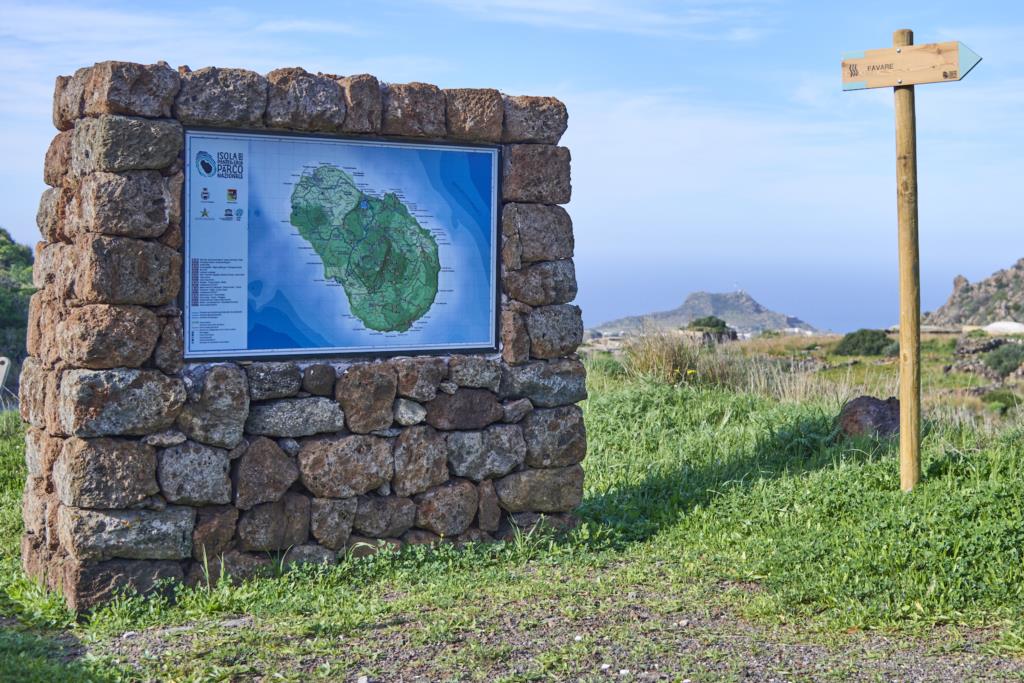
910 65
901 67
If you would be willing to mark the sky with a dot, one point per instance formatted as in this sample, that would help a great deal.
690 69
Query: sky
712 145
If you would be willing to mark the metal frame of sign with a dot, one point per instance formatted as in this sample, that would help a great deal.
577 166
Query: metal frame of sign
334 353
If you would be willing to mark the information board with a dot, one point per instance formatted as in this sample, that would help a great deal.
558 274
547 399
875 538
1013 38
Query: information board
302 245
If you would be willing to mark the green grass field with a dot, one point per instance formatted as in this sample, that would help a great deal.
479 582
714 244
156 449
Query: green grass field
719 528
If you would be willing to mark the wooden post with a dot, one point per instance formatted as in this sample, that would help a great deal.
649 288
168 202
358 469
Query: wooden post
910 278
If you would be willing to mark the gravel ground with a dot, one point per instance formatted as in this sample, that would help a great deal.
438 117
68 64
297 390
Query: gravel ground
599 640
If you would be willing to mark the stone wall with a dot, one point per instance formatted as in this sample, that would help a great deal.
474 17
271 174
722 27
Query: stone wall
143 467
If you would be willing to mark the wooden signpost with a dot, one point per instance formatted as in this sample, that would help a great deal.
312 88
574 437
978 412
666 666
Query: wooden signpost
901 67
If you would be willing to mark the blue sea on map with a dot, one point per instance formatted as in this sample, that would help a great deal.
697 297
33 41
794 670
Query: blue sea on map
449 191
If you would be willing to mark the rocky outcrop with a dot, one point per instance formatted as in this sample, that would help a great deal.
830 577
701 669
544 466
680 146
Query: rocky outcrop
998 297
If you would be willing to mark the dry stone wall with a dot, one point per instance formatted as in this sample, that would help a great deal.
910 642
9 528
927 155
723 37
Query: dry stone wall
143 467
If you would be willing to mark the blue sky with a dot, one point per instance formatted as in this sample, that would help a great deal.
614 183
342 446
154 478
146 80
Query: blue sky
713 147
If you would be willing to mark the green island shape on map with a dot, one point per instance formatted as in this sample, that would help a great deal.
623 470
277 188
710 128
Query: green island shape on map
384 259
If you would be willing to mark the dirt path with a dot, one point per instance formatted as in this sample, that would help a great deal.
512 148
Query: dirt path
590 640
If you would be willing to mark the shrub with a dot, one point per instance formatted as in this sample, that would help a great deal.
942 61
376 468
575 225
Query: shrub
1005 359
1001 400
709 323
863 343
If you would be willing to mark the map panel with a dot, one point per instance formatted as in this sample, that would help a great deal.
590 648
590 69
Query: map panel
319 246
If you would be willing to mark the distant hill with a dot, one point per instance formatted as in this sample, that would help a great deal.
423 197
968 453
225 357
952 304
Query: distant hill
738 309
998 297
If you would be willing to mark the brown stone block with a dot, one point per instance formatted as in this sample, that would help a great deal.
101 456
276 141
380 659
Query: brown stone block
54 267
169 354
213 532
122 270
413 110
273 380
418 378
172 237
547 384
545 490
536 173
544 232
263 474
192 473
476 372
128 534
474 114
218 406
46 312
449 509
511 246
41 451
58 159
105 473
124 143
421 460
542 284
118 401
132 204
555 437
174 186
342 467
222 97
308 553
299 100
534 119
487 454
35 500
87 584
275 526
554 330
515 340
465 409
32 392
295 417
233 565
67 99
384 516
319 379
488 515
364 104
52 406
130 89
50 217
104 336
331 520
35 558
366 392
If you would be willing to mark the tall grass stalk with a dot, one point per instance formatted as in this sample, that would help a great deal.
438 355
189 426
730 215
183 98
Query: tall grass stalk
678 359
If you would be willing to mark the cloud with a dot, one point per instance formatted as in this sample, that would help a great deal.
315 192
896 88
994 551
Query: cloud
304 26
728 20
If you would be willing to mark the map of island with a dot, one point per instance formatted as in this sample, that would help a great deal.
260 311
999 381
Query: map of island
384 259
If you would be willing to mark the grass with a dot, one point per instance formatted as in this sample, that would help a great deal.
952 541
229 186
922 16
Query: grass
700 501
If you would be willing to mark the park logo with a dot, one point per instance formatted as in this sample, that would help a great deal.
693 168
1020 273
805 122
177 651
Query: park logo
205 164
